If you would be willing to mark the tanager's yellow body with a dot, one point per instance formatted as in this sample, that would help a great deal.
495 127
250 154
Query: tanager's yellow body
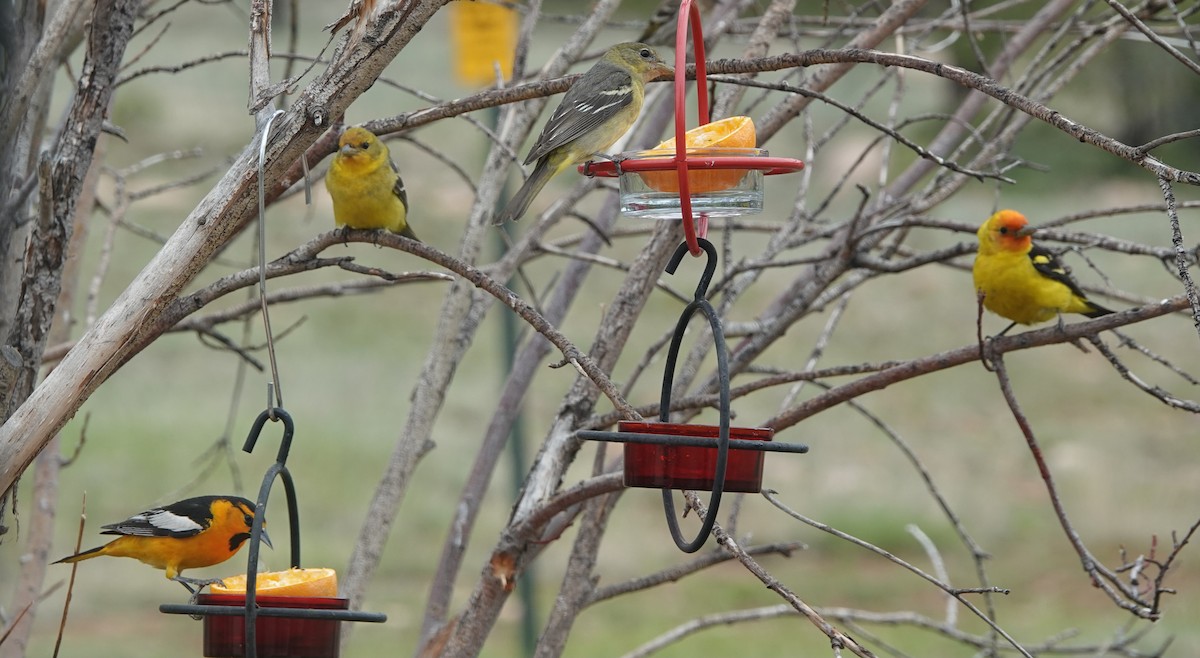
365 185
1021 281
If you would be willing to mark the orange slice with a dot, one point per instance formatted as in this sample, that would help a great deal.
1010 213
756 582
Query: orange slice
293 582
730 133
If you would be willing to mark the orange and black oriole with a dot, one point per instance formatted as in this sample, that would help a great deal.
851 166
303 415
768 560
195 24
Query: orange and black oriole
192 533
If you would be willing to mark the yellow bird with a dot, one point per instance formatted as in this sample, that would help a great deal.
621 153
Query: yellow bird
192 533
365 185
1021 281
598 108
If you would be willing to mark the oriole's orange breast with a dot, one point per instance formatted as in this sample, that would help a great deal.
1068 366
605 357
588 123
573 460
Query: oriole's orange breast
174 555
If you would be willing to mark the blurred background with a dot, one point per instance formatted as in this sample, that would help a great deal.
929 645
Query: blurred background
1126 464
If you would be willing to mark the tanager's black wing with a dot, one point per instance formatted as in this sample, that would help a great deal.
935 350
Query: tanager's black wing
1048 265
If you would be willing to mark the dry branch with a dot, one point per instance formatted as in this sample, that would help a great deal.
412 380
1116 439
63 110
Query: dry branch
218 218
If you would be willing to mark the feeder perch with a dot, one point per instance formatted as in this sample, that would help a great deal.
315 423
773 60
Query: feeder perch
251 626
640 198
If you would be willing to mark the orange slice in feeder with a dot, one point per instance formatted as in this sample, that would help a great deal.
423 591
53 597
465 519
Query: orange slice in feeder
318 582
730 133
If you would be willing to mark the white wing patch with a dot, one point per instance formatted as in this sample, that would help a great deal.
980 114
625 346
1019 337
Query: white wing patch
161 518
622 96
155 523
609 89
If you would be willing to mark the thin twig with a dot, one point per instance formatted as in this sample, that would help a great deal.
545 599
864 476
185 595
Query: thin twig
957 593
837 638
1108 581
62 624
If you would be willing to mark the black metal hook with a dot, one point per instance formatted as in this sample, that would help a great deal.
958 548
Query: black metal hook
710 265
278 469
664 405
289 430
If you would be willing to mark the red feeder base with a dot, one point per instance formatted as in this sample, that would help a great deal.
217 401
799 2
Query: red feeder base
277 637
684 467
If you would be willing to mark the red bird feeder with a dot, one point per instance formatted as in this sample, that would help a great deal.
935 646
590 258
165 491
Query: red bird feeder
252 626
733 201
686 466
677 456
277 637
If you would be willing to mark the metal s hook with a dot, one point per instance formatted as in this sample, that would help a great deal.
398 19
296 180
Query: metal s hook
278 469
710 266
289 429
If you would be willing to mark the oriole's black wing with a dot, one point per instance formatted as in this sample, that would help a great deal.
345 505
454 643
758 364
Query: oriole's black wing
182 519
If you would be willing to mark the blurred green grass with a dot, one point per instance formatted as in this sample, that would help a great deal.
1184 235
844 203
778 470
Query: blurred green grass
1125 463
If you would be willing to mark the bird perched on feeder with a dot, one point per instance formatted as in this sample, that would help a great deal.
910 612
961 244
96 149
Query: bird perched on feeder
365 185
192 533
1021 281
598 108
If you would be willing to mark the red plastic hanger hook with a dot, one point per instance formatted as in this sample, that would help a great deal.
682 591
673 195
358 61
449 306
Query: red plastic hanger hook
689 15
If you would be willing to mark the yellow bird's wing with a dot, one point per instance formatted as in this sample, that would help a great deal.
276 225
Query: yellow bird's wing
402 194
583 109
398 186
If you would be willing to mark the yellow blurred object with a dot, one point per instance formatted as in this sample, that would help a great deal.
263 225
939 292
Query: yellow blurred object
482 34
732 132
317 582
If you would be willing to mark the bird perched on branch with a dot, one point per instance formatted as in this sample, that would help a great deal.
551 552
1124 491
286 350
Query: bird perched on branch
192 533
1021 281
598 108
365 185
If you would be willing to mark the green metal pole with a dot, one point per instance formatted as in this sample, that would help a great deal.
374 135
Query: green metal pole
527 582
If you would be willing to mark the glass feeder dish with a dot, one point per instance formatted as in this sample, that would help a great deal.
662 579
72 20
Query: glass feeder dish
675 466
276 637
719 184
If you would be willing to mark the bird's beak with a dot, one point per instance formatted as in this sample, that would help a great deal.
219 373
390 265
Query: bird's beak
348 150
266 539
1026 230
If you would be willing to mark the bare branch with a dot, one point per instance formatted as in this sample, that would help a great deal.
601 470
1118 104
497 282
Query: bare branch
945 587
1105 579
838 639
970 353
